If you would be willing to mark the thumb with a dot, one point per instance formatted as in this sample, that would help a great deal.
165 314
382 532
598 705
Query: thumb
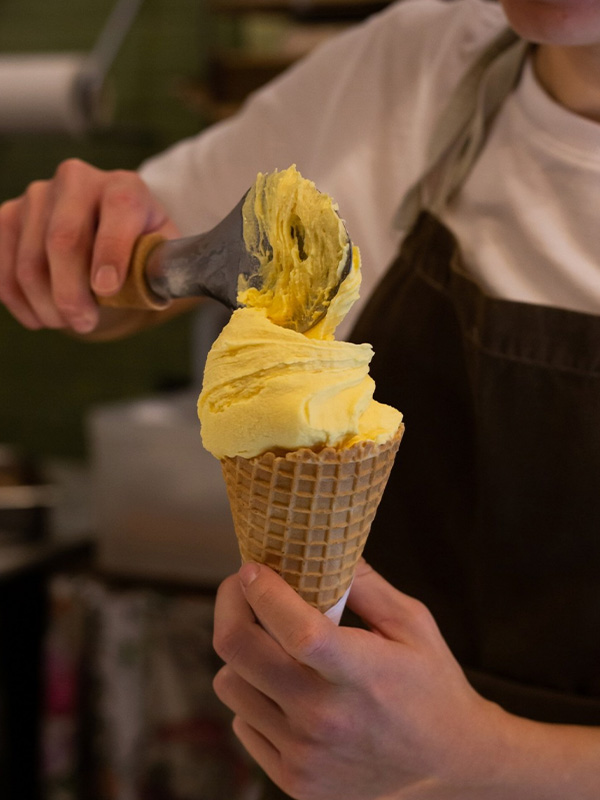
306 634
382 607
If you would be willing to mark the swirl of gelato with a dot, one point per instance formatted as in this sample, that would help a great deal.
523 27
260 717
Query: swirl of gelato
269 388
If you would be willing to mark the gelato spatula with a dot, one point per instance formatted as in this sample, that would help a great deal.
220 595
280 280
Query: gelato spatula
210 264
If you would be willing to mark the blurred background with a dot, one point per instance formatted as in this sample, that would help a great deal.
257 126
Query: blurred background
114 525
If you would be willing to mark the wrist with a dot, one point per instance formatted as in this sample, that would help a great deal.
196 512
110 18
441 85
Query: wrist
490 756
528 760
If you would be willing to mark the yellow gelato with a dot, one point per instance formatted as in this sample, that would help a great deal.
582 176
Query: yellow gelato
301 245
270 388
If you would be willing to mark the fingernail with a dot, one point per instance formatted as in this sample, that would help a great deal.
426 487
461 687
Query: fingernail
106 279
248 573
84 324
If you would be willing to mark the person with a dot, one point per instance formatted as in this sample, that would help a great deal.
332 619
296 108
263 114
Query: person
465 136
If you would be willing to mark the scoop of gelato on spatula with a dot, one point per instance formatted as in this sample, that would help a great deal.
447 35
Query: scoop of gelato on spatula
301 247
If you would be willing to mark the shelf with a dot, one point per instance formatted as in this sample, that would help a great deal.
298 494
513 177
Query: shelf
232 76
331 9
18 559
259 40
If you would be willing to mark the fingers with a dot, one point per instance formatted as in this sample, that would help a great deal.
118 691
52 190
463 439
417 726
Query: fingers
261 750
68 241
126 210
32 272
10 291
303 632
246 646
249 704
57 228
67 235
276 700
386 610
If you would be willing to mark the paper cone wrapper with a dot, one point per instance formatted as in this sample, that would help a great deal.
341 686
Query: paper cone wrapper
307 514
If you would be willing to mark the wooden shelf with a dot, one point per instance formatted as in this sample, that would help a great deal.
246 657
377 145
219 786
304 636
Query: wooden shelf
232 76
265 49
322 9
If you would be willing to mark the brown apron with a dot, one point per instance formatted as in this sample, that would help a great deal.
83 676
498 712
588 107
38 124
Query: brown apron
492 513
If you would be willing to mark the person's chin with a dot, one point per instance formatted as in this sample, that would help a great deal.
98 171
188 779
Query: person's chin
557 22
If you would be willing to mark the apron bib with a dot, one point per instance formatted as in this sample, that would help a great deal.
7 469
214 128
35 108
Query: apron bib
492 512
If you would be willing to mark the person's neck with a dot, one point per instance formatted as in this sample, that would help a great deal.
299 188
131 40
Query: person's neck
571 75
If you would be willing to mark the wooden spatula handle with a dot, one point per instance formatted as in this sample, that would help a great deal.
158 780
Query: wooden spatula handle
135 292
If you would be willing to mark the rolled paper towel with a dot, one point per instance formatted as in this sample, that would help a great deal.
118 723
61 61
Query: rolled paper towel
42 93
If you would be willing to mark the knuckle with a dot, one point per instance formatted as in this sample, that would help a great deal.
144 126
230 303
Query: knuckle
421 613
308 643
422 621
125 192
126 176
73 173
326 723
35 189
68 304
221 683
9 294
63 238
113 247
9 215
70 168
218 682
228 644
265 598
29 268
296 773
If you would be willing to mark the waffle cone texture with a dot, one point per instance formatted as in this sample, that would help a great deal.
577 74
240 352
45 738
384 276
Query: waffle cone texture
307 514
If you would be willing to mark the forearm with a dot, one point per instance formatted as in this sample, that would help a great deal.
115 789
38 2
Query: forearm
549 762
520 760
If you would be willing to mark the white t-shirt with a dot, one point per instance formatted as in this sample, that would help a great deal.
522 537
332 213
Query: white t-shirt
527 218
356 115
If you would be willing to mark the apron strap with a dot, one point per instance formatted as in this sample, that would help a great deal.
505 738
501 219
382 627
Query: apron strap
464 125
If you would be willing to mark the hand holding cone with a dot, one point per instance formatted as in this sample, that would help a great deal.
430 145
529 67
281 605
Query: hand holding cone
307 514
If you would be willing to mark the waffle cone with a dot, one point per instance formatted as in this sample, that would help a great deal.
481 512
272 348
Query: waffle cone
307 514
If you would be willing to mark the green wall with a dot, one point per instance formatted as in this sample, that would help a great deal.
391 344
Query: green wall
47 380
